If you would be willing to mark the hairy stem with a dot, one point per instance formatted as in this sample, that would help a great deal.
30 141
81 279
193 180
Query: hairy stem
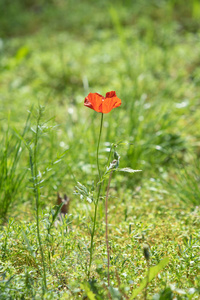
96 202
106 213
148 271
93 231
98 146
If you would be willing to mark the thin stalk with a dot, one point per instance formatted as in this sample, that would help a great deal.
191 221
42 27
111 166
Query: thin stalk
98 146
106 213
37 195
97 201
93 230
148 271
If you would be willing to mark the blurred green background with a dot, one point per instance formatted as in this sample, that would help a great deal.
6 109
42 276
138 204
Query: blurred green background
56 52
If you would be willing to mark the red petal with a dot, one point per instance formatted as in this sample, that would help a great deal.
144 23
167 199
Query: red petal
110 102
94 101
111 94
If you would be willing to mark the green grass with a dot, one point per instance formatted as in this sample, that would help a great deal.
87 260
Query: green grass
52 54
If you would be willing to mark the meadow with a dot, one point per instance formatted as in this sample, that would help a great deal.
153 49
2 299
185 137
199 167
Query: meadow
131 176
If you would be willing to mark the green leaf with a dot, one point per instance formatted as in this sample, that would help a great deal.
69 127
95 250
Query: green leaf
54 212
152 274
128 170
83 192
21 138
29 247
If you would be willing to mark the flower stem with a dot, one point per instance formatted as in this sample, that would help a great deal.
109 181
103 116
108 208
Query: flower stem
96 202
106 213
148 272
93 231
98 146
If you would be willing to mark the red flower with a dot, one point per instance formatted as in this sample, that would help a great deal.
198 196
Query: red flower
102 104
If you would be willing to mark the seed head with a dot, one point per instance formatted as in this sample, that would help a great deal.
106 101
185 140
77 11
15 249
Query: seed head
146 251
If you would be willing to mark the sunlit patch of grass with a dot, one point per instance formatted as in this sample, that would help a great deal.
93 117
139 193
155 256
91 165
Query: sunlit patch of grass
12 176
185 182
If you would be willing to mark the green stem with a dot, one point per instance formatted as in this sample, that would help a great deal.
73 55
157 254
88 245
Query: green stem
93 230
97 201
106 212
148 272
33 165
98 146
